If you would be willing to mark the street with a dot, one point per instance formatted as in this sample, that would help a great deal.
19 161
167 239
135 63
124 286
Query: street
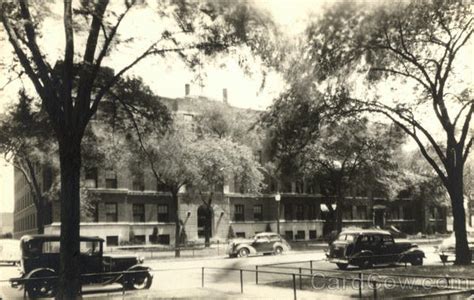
183 277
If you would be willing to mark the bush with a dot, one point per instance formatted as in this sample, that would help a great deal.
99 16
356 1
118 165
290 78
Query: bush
268 228
231 234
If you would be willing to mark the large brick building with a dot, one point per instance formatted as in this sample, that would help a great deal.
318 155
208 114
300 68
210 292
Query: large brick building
137 211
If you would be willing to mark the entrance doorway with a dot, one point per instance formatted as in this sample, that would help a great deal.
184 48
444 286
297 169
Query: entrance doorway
204 218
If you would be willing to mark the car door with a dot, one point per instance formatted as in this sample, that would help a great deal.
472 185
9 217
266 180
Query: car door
91 260
262 244
377 249
388 249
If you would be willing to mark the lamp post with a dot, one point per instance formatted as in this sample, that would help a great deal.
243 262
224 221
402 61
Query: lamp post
277 199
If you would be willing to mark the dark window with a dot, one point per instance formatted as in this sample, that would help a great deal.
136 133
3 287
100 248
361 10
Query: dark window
288 212
139 239
312 234
91 177
299 212
163 214
289 235
111 212
347 213
240 234
96 212
239 213
258 212
362 212
407 213
394 213
164 239
110 180
300 235
138 183
111 240
138 212
312 212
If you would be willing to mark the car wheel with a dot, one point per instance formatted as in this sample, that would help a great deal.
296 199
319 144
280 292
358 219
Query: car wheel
140 281
342 266
41 288
278 250
417 261
244 252
444 258
366 263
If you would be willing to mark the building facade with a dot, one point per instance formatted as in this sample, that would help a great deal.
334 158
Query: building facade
131 210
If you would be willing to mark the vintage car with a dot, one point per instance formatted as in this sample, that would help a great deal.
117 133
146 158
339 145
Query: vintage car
40 259
447 249
365 248
264 243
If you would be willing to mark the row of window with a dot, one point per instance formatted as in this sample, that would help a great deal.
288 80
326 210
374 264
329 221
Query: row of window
26 223
24 201
138 212
163 239
291 212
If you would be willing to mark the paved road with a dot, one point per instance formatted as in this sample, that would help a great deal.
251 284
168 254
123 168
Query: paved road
176 275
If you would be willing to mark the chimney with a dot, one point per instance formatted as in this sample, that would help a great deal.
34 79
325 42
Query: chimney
187 90
224 96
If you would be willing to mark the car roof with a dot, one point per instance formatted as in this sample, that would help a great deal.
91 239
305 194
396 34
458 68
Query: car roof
57 237
365 231
266 234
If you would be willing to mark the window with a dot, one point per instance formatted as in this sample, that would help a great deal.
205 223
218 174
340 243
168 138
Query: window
111 240
387 239
394 213
91 177
111 212
299 212
161 187
239 213
163 215
110 180
138 212
138 183
300 235
362 212
289 235
164 239
139 239
312 234
407 213
347 213
288 212
312 212
257 212
240 234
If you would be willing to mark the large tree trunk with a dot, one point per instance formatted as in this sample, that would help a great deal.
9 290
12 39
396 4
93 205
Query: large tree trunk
455 190
177 240
69 275
40 211
207 227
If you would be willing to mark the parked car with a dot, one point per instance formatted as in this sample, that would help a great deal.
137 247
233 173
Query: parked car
447 249
9 251
264 243
367 247
40 259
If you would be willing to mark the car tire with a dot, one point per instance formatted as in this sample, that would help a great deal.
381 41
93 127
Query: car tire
444 258
417 261
278 250
141 281
244 252
342 266
366 262
41 288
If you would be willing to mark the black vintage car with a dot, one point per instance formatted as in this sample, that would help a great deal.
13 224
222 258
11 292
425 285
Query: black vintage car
365 248
40 259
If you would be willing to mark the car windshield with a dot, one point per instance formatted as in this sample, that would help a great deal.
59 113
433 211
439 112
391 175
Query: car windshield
346 237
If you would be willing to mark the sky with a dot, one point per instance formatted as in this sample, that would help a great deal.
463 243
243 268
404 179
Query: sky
167 80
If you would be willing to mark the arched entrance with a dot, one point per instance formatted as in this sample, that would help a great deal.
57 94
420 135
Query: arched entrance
204 221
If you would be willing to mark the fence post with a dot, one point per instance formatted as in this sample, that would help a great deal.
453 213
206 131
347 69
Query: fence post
241 282
360 285
217 247
202 277
294 286
375 289
311 266
256 274
301 287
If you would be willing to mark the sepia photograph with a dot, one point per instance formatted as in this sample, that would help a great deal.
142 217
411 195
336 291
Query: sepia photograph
236 149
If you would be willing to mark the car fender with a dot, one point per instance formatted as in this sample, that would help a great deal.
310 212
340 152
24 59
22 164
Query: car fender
35 271
282 245
251 249
415 251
